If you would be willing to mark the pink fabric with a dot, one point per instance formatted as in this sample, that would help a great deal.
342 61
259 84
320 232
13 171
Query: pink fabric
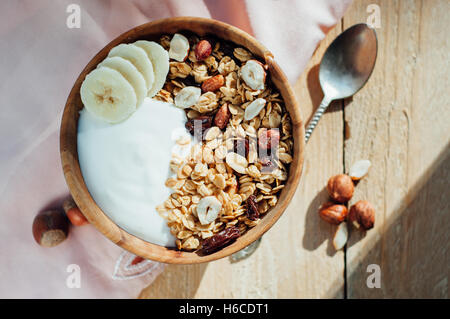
40 60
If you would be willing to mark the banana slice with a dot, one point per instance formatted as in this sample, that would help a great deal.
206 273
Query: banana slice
108 95
160 61
139 58
130 73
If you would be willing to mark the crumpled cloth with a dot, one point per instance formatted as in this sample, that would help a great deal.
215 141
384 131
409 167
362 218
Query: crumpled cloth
40 60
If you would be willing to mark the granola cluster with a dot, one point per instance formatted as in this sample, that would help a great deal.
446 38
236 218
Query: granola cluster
239 161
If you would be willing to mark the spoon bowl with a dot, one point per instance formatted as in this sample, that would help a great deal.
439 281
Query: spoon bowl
348 62
345 67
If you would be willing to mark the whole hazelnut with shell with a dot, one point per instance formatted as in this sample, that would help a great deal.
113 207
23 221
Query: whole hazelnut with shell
362 215
340 188
50 228
333 213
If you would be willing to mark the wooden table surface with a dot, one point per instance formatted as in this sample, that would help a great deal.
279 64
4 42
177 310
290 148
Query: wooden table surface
399 121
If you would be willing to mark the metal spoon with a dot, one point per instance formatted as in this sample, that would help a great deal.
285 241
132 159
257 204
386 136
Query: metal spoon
345 68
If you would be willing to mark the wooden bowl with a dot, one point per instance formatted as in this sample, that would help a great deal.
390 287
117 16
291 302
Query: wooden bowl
69 156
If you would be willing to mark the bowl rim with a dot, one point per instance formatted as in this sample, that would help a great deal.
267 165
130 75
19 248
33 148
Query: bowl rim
140 247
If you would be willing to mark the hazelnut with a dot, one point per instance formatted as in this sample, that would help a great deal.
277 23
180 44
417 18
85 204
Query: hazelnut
74 214
50 228
362 214
333 213
340 188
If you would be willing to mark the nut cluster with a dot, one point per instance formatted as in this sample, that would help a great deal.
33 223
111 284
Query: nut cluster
242 147
340 189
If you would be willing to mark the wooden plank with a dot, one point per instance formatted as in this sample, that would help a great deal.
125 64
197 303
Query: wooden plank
296 258
400 122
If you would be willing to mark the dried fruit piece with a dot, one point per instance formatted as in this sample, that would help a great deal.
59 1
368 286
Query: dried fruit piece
50 228
359 169
253 74
340 188
208 209
203 50
220 240
362 214
254 108
187 97
222 116
340 237
252 208
236 162
333 213
268 139
199 125
213 84
179 47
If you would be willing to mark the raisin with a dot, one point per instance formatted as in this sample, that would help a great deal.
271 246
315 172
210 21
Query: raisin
241 146
222 117
252 208
268 139
220 240
205 123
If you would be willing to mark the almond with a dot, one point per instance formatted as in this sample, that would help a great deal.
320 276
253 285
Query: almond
203 50
213 84
222 116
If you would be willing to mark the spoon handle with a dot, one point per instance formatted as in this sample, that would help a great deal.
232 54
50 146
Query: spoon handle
315 119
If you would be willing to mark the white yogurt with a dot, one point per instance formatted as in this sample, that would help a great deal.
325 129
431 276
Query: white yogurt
125 166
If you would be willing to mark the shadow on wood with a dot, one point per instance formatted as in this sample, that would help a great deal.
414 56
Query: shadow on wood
177 281
317 230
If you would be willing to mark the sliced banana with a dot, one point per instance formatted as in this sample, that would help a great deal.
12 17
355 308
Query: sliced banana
139 58
187 97
130 73
107 95
160 61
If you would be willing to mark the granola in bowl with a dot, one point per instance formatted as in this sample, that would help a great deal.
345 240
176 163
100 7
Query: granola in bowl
242 147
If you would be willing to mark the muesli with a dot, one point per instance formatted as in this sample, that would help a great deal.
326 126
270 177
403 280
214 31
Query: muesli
242 147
